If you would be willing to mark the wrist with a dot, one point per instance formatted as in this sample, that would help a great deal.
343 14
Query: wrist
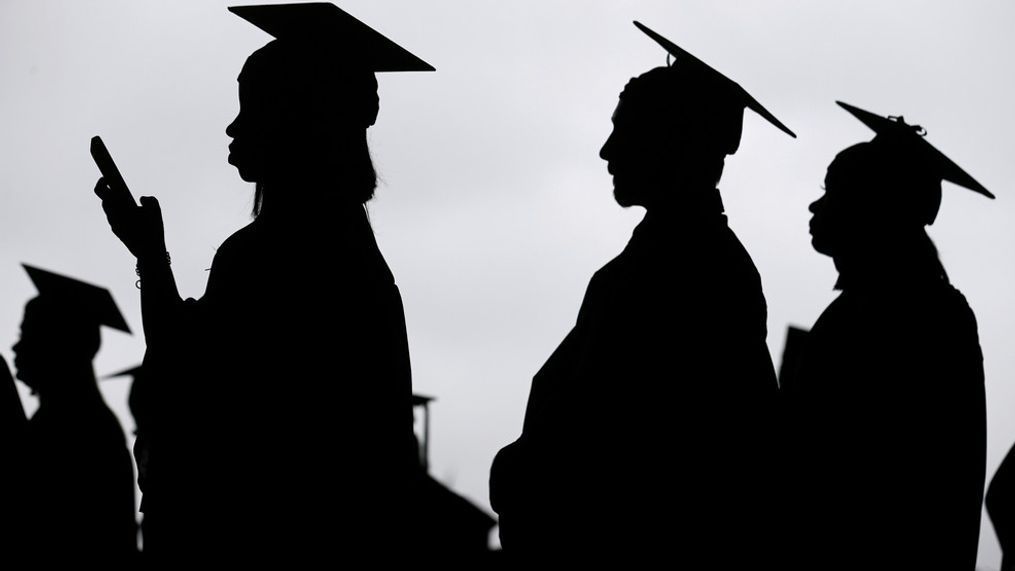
149 261
154 257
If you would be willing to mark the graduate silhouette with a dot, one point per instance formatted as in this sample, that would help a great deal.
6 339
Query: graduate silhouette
13 424
1000 503
284 425
72 501
141 410
645 428
887 407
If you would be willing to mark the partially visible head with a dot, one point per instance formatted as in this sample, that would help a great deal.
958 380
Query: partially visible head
307 99
304 112
876 193
54 337
673 127
60 329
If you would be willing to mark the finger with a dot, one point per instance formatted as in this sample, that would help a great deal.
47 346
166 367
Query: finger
111 211
150 205
101 188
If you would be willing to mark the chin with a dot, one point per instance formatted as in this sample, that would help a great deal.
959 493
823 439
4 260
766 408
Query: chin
242 166
820 247
624 198
247 174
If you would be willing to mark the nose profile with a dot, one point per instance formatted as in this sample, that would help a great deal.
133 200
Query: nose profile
813 208
604 152
231 128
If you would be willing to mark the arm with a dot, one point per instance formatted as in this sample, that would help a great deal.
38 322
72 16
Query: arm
160 298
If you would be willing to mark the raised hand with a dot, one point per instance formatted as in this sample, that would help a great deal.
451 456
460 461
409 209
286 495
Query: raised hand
140 228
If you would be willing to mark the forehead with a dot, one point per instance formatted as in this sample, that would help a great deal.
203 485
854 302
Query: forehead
617 110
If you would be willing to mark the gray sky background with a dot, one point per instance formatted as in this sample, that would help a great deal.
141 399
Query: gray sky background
494 208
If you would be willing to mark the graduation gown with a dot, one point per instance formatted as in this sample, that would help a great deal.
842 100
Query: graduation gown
646 429
1000 504
283 423
76 490
888 419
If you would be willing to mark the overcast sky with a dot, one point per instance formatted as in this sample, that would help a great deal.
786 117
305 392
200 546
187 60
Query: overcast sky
494 208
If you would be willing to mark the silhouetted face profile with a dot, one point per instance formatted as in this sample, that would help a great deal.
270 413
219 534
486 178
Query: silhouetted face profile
50 341
672 130
303 117
875 193
883 192
306 101
60 328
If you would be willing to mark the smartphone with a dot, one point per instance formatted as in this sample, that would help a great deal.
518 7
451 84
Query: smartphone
108 169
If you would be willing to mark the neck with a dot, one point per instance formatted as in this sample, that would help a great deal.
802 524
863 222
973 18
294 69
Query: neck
895 260
696 203
72 384
305 197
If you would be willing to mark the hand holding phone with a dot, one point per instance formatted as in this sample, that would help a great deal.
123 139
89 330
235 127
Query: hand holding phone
139 227
110 174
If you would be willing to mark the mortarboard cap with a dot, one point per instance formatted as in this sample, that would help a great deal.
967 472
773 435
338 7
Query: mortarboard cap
131 372
912 137
685 58
85 302
421 400
327 26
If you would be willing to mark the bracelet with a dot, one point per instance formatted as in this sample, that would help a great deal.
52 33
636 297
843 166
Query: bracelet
137 269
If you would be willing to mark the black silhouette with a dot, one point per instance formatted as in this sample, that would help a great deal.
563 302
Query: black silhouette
283 430
792 352
73 501
12 411
139 404
888 411
12 430
646 428
446 527
1000 503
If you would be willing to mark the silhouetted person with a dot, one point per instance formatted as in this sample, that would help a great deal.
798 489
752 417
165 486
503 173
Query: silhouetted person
888 411
12 411
447 529
139 404
75 497
284 423
1000 502
12 429
646 429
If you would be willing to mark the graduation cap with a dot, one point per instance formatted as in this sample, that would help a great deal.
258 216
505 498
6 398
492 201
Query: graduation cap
131 372
422 400
83 302
685 59
327 27
911 139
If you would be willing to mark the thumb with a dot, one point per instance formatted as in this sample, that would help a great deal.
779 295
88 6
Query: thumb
150 207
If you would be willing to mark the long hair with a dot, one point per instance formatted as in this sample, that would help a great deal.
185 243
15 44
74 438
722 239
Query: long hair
350 168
